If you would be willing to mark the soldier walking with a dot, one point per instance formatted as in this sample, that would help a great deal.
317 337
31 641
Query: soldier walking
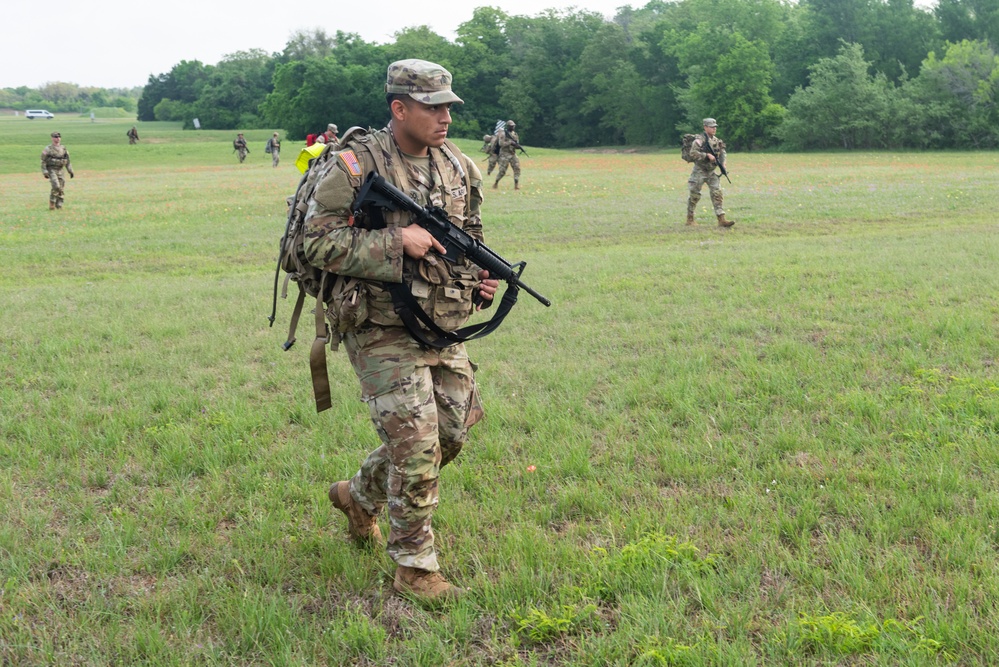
55 158
133 136
422 400
274 148
508 141
239 145
490 148
704 172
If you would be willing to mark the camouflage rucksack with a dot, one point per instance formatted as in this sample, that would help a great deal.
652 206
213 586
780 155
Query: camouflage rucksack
312 281
688 142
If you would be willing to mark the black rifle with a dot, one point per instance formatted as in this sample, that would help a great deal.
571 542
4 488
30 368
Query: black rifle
516 144
457 243
711 152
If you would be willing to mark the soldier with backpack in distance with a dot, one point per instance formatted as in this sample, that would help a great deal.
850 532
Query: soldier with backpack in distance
422 400
273 146
706 151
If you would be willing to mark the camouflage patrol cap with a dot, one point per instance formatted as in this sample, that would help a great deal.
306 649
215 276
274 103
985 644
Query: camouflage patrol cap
331 128
710 122
55 134
510 123
424 81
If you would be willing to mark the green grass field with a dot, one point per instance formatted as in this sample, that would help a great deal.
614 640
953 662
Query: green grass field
771 445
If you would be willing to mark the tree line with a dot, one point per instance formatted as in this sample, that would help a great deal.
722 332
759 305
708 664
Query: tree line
813 74
70 98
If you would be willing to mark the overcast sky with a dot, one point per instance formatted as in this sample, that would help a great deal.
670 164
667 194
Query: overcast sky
114 43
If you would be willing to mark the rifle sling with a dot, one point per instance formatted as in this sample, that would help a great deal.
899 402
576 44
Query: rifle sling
411 314
317 357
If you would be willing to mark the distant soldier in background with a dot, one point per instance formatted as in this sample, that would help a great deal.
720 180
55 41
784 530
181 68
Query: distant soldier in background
239 145
507 140
492 150
704 172
55 157
133 136
329 136
274 148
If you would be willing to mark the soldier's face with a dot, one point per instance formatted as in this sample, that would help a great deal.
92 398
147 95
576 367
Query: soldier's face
710 131
419 125
56 140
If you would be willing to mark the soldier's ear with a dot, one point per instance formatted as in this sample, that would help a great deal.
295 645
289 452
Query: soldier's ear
399 109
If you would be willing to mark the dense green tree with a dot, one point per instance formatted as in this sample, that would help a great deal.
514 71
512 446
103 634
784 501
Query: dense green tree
728 77
544 90
306 44
658 71
969 20
573 78
843 106
234 90
903 34
954 98
613 91
311 93
895 34
183 83
482 61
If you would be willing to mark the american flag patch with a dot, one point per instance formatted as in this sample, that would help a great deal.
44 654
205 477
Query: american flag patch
350 160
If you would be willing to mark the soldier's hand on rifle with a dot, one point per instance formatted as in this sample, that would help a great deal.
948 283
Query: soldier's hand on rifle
487 289
711 157
417 242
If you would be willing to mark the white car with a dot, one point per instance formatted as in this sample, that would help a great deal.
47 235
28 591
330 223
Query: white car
37 113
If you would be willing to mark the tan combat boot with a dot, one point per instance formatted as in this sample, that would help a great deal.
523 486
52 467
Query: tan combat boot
362 526
690 220
51 205
516 185
424 585
722 222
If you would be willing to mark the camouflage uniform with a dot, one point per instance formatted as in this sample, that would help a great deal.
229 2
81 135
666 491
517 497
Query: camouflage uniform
704 172
239 143
329 136
55 157
275 150
505 139
491 149
422 401
133 136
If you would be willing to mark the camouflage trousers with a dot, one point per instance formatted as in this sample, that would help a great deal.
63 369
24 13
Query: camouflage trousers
698 177
493 159
504 161
132 140
275 157
58 182
422 403
241 152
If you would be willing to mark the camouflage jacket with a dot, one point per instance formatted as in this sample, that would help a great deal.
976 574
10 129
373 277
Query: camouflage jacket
701 160
55 157
506 140
371 248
